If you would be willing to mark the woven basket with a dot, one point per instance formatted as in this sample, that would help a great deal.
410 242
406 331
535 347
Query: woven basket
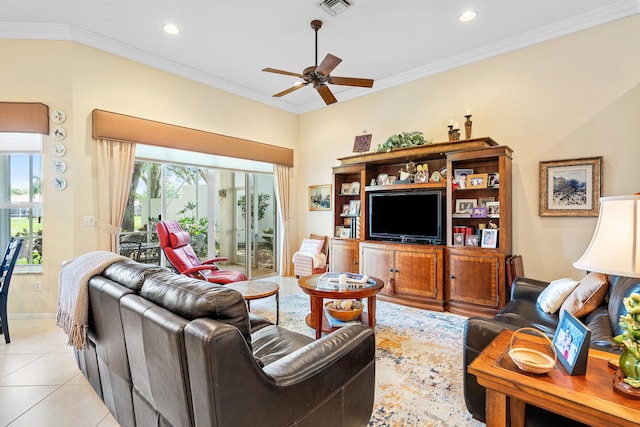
530 360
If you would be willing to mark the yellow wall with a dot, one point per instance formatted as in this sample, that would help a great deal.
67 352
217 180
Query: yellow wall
576 96
78 79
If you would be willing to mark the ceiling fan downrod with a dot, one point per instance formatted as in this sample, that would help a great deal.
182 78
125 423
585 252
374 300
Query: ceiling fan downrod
316 25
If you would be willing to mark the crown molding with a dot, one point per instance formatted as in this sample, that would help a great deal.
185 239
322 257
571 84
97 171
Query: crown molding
53 31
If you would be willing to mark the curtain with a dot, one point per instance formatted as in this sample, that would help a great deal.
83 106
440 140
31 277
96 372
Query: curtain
115 168
282 179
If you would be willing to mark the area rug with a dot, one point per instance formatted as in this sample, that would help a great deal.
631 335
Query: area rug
418 362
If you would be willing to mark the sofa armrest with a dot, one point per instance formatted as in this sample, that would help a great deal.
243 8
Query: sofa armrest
525 288
478 334
316 358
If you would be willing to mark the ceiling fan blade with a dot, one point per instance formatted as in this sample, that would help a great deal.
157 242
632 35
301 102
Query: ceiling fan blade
351 81
328 64
287 73
291 89
326 94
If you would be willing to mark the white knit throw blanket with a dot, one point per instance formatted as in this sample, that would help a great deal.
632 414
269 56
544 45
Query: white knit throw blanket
73 297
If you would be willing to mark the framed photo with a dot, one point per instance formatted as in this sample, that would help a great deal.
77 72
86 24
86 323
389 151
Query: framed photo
345 232
320 197
461 175
345 210
482 201
458 239
362 143
489 238
494 180
355 188
571 342
570 187
338 231
464 206
493 209
354 208
479 212
471 240
345 188
478 180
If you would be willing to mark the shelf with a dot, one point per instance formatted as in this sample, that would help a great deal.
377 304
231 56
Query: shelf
414 186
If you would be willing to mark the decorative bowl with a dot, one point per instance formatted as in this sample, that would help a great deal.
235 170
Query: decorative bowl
337 310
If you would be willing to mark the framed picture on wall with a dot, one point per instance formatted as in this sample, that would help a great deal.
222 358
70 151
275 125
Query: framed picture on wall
320 197
570 187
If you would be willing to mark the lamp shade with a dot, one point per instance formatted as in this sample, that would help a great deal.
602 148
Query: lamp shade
614 245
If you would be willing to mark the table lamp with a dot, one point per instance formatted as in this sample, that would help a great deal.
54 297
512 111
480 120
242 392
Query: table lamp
614 250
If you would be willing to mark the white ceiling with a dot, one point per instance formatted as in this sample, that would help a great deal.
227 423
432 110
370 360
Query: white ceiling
226 43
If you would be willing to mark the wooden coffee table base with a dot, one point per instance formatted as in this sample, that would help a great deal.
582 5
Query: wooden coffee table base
256 289
588 398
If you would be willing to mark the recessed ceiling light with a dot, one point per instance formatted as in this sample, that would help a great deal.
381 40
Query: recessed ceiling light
170 29
468 15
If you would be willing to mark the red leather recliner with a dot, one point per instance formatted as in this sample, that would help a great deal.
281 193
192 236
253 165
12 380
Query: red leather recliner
175 242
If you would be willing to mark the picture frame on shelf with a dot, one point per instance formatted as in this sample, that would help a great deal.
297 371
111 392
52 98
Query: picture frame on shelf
493 209
479 212
362 143
570 187
355 188
489 238
494 180
345 232
571 343
345 188
482 201
354 207
464 206
345 210
320 197
471 240
458 239
338 231
478 180
461 177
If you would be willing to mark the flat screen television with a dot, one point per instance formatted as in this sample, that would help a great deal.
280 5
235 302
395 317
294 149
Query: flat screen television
406 216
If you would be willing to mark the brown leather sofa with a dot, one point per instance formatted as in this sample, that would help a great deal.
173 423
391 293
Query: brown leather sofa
523 311
168 350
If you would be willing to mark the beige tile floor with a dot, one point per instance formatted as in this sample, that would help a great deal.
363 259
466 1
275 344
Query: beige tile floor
40 384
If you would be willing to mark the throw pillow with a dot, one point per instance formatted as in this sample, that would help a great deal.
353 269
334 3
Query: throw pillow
555 293
311 245
587 296
325 246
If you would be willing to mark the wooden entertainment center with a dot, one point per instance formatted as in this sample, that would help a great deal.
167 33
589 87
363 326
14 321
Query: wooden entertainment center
444 275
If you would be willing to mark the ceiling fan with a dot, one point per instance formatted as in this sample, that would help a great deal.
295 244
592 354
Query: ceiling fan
319 75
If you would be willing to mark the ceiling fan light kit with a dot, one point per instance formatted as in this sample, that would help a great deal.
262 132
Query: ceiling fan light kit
320 75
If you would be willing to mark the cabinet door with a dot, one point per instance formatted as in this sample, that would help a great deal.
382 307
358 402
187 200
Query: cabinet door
343 256
475 278
377 261
416 273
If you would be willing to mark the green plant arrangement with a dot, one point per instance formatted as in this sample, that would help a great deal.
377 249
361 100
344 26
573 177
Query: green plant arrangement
403 140
629 339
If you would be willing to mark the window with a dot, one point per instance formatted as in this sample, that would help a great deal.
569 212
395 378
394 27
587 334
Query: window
21 193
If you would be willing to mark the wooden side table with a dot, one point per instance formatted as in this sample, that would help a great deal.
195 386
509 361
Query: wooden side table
587 398
256 289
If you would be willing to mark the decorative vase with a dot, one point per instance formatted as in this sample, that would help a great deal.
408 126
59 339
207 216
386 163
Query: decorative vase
630 367
467 127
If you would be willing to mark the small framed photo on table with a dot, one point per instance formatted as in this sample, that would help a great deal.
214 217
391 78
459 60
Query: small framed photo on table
571 343
458 239
489 238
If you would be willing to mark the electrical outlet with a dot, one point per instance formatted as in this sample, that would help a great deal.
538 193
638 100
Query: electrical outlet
89 221
38 286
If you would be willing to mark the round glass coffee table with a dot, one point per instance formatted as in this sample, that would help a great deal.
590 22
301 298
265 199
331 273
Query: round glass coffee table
318 289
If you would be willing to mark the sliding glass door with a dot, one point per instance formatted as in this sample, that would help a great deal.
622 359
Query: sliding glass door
211 204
